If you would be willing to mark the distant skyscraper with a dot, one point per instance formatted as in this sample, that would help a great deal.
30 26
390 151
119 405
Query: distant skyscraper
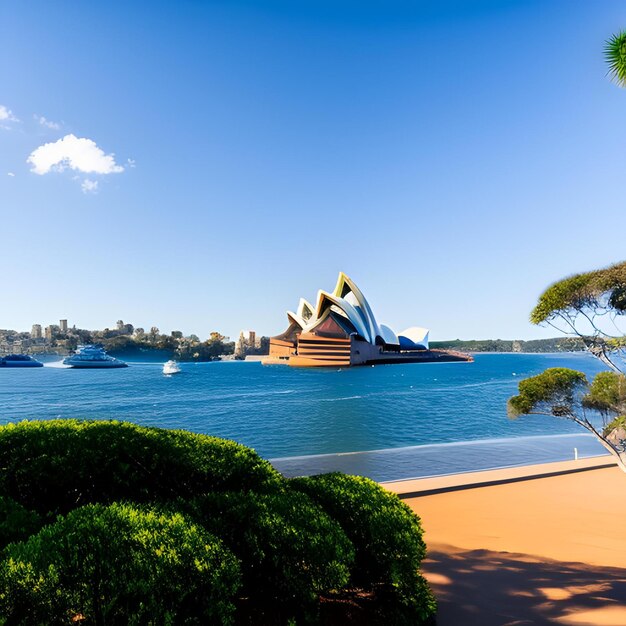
249 336
35 332
246 343
63 325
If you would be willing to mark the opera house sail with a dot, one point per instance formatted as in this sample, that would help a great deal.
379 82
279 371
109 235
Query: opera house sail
341 330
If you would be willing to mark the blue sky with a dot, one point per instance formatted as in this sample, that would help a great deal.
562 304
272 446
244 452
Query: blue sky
453 158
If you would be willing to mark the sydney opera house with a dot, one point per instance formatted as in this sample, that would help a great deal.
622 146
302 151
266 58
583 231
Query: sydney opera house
341 330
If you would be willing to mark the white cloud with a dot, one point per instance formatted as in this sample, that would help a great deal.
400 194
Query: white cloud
6 115
89 186
77 153
46 122
11 174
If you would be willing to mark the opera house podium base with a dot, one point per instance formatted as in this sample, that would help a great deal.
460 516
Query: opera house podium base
339 352
429 356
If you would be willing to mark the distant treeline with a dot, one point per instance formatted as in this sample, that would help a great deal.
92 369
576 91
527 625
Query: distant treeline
557 344
159 346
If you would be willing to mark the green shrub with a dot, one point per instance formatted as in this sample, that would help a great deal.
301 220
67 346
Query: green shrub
55 466
291 551
124 564
387 537
16 522
119 565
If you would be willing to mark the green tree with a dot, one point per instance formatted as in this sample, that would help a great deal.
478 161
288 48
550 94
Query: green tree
72 343
589 306
265 345
165 342
567 394
120 344
216 345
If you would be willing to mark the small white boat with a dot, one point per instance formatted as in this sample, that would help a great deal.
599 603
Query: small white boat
171 367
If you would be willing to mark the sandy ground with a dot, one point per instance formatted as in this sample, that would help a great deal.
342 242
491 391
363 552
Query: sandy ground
542 550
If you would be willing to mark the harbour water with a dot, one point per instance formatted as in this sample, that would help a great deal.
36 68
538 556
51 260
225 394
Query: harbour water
394 417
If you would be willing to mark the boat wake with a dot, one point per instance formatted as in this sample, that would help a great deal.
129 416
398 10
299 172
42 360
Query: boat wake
57 365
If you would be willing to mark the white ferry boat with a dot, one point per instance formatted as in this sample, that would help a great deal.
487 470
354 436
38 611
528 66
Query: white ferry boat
91 357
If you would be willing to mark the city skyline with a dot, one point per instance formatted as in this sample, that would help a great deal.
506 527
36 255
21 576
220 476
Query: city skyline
223 161
39 331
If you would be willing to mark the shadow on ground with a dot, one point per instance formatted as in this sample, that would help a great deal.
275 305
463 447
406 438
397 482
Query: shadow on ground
499 588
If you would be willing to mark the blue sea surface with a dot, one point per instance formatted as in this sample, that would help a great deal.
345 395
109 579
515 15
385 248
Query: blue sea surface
293 414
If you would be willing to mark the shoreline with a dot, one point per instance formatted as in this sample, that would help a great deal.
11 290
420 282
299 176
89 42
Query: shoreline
450 459
430 485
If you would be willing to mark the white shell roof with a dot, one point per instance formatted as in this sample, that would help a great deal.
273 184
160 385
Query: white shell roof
348 300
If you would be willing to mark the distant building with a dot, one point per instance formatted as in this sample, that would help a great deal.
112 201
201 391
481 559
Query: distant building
124 329
245 343
35 331
249 336
63 325
50 331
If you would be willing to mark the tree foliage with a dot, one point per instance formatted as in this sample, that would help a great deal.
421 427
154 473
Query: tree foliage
590 306
586 292
16 522
387 536
555 391
607 394
291 550
52 467
555 344
566 393
119 565
615 55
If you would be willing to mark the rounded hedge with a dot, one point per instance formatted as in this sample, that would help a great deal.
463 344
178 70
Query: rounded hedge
119 565
291 551
387 536
55 466
192 506
16 522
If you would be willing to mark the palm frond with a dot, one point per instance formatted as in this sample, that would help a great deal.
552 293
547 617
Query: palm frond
615 56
